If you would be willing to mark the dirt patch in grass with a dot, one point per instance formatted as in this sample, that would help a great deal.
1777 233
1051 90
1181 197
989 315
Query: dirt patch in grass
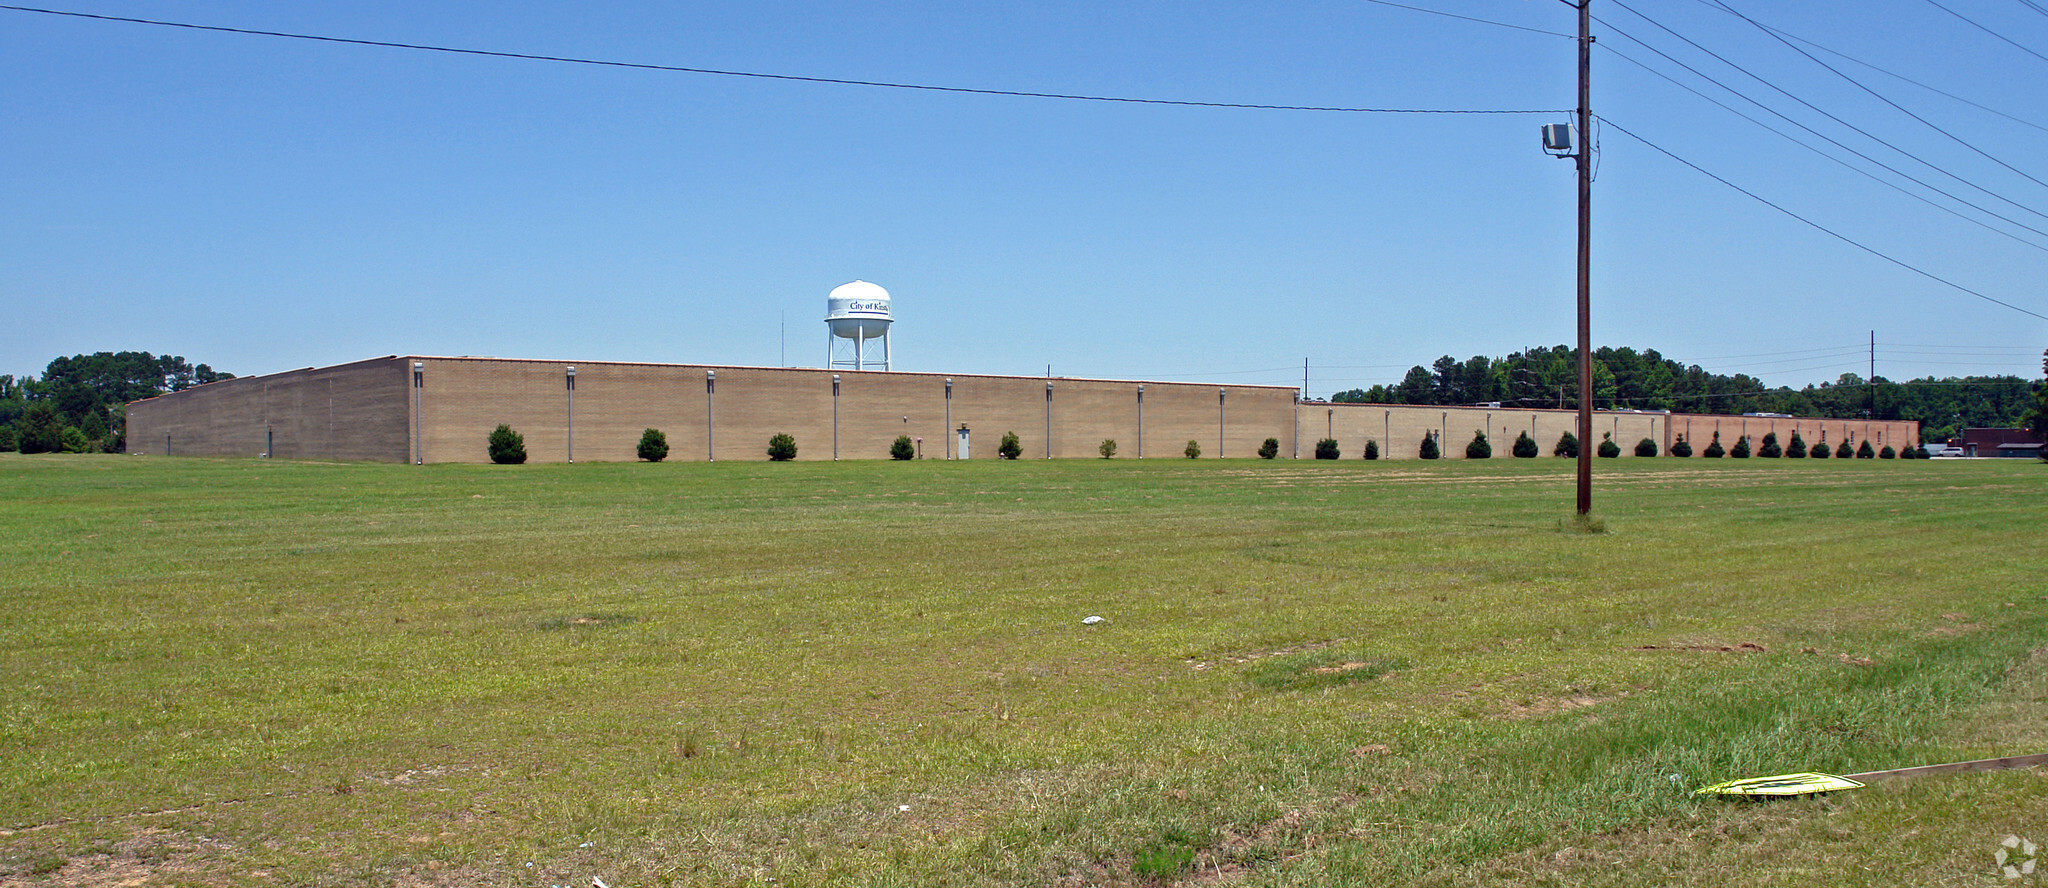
1325 667
589 621
1747 647
1956 624
150 857
1548 705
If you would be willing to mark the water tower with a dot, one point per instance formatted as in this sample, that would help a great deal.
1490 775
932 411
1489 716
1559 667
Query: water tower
857 319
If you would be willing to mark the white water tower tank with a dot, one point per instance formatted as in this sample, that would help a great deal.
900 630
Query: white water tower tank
857 318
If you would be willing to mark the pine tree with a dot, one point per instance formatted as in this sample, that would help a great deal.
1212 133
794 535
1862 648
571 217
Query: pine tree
1525 446
507 447
653 446
1567 446
1770 448
1479 448
1429 448
1798 448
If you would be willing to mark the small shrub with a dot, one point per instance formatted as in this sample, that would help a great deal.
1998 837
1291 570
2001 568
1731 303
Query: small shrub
1372 449
1010 448
1429 449
902 448
1741 450
1864 452
1887 453
1567 446
1770 448
1820 451
1608 449
1479 448
75 441
1646 447
1327 449
1193 450
508 448
1714 449
1108 448
1797 449
1525 446
1269 449
1680 447
1844 452
782 447
1920 452
653 446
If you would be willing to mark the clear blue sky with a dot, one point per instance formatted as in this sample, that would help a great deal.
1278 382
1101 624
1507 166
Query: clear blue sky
262 204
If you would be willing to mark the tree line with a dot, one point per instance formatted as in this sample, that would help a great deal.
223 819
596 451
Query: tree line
79 404
1627 379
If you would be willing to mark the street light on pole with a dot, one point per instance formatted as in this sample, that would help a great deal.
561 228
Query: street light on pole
1557 140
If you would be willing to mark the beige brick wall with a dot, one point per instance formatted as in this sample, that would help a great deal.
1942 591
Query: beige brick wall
366 410
1404 426
349 411
1700 430
464 398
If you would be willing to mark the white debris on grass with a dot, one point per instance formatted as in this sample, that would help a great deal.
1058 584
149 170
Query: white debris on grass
1090 620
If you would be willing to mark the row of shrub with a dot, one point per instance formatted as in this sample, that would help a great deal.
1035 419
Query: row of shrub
1567 445
509 447
1797 449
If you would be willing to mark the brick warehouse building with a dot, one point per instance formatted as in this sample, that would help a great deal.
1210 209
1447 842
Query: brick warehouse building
429 409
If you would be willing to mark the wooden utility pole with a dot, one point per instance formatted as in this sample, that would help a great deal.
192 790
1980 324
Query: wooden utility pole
1585 160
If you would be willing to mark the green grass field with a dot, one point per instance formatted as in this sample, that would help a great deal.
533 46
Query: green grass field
872 673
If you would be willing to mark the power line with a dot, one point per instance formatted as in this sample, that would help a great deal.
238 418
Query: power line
1823 229
1809 105
1471 19
1894 74
1986 30
645 66
1858 348
1880 97
1845 164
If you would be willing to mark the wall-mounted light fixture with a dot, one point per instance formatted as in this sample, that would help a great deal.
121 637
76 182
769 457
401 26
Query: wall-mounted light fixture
1048 417
1141 421
419 373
